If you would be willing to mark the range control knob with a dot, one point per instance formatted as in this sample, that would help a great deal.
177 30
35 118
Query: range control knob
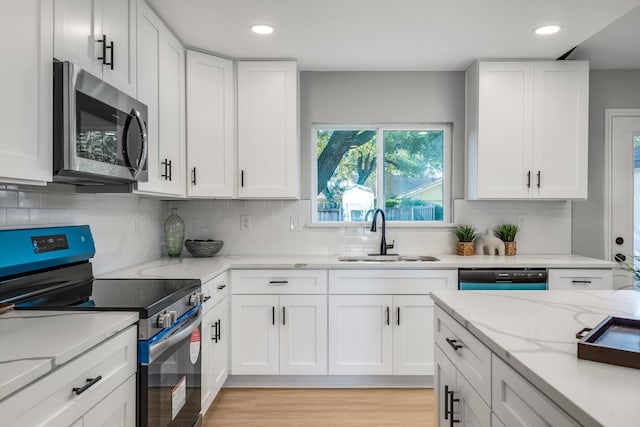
196 298
167 318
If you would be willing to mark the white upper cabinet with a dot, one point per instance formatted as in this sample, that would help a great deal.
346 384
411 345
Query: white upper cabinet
268 148
26 83
211 140
100 37
161 81
527 126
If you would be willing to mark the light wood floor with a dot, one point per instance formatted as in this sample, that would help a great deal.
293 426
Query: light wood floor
322 407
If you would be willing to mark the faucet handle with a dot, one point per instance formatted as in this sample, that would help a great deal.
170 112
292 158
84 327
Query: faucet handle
390 246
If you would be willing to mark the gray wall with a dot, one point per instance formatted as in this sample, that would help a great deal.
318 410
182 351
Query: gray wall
382 97
607 89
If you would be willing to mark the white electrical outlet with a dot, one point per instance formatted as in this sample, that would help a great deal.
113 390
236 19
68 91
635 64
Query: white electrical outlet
245 222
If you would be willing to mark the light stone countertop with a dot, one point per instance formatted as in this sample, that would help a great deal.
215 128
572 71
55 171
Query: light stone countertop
33 343
206 269
534 332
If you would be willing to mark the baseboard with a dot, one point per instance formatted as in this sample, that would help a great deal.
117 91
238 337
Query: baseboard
330 381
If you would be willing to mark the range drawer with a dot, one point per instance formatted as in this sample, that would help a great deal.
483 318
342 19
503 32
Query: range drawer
391 282
469 355
52 400
580 279
215 290
279 281
519 404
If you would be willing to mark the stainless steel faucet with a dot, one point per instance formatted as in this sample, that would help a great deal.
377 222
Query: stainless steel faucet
383 239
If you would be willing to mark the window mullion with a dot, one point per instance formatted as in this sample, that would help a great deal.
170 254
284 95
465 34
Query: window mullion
380 169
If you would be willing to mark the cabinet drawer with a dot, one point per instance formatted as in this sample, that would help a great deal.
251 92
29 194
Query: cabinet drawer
580 279
519 404
387 282
279 281
215 290
51 400
473 359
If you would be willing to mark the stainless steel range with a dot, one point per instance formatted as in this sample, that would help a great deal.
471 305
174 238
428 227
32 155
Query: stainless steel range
49 268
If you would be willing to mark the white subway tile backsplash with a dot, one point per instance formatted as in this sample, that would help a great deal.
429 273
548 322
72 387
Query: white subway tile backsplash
28 200
17 217
8 199
39 217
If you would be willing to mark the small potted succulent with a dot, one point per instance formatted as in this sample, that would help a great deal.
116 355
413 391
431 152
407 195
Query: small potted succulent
465 234
507 233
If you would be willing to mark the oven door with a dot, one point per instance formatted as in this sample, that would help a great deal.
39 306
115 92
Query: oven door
169 384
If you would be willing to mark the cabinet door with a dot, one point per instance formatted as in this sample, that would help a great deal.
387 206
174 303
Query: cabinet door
268 153
118 409
78 27
470 409
360 335
254 331
219 360
303 334
171 111
119 25
27 89
505 129
413 339
561 114
211 142
208 333
445 383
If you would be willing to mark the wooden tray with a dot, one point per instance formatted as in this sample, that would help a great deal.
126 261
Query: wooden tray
616 340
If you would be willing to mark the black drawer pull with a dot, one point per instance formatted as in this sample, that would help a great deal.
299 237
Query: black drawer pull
283 316
398 315
90 381
221 287
388 316
453 344
273 315
581 282
278 282
206 299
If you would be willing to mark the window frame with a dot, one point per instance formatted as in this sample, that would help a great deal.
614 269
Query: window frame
447 203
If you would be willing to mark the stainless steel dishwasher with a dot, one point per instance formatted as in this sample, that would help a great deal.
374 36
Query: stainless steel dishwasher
504 279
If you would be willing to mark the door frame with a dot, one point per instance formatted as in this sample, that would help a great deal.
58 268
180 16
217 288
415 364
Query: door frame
610 114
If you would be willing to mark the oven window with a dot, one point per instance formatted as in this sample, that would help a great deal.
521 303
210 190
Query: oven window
171 384
99 127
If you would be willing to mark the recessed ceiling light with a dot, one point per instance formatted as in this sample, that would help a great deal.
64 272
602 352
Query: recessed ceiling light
262 29
546 30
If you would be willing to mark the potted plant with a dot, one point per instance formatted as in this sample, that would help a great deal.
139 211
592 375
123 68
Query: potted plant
507 233
465 234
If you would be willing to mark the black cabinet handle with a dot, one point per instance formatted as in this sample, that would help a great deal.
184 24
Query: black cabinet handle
207 298
529 179
538 179
273 315
446 402
398 316
583 282
388 316
165 175
103 58
193 174
170 171
452 420
219 329
283 316
110 64
215 332
90 382
278 282
221 287
241 178
453 344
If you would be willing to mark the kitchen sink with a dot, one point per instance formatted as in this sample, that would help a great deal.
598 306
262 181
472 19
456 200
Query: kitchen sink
388 258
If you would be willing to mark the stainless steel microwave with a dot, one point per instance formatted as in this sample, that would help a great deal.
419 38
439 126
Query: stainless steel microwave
99 132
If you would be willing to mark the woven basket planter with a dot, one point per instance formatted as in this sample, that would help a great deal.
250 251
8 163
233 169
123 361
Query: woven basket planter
510 248
465 248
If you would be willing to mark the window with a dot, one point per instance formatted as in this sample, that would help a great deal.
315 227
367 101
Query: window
411 184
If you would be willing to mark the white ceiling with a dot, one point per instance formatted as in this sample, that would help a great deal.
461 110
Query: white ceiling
387 35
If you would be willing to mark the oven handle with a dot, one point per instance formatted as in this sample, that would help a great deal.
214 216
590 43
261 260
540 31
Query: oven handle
157 348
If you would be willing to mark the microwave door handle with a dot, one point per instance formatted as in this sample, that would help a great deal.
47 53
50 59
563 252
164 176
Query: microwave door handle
143 132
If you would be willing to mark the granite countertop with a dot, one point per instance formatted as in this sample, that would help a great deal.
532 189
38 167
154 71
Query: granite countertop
207 268
37 342
534 332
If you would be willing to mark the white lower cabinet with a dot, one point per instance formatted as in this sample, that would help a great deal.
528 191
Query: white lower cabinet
57 399
215 339
279 334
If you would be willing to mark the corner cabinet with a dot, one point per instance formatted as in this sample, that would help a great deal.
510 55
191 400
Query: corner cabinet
268 146
161 82
211 126
527 130
27 90
100 37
